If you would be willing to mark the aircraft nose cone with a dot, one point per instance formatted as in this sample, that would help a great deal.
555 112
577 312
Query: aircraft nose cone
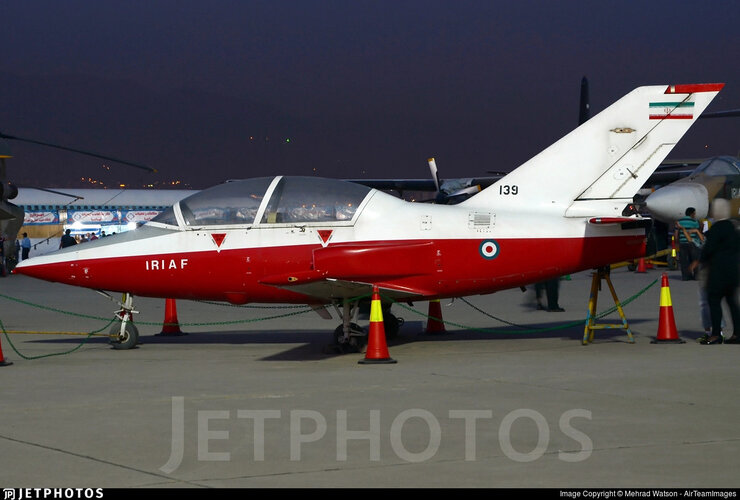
28 267
45 268
669 203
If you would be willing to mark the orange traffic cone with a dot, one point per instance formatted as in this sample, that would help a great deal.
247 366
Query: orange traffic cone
377 350
3 361
641 265
435 323
170 326
666 323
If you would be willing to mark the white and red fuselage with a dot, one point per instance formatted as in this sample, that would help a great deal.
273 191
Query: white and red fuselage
423 250
311 240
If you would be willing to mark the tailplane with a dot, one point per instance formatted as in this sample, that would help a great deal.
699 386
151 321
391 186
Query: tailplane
598 168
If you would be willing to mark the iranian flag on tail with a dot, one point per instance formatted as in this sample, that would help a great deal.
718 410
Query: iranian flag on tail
671 110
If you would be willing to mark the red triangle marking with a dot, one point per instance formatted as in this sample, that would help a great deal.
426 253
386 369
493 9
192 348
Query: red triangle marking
325 234
218 238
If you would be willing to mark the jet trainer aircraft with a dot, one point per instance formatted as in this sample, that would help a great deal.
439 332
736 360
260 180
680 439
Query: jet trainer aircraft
324 241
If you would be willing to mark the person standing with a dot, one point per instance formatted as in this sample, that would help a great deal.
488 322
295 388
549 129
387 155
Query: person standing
67 239
551 288
690 240
721 255
25 246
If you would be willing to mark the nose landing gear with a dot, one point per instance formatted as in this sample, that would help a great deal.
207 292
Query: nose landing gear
124 335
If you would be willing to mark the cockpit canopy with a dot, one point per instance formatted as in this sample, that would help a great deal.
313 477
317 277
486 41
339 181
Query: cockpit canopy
719 165
273 200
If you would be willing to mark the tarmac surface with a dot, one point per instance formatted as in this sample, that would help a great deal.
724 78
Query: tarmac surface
507 397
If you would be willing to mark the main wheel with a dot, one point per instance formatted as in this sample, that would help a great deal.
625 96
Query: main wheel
126 340
356 341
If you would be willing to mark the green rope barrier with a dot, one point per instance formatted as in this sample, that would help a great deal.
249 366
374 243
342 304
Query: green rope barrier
524 329
84 341
109 322
149 323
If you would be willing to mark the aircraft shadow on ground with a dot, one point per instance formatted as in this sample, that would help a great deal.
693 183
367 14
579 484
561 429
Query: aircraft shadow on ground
317 344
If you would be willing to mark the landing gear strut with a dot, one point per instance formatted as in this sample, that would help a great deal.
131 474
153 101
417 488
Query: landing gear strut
124 335
349 336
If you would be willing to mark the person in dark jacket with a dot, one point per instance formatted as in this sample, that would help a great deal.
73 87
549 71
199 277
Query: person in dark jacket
721 255
67 240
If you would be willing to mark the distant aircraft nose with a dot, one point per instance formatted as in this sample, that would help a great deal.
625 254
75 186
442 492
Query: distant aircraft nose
669 203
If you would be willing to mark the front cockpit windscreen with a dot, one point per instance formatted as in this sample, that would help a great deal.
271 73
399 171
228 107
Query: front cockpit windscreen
166 217
234 202
313 199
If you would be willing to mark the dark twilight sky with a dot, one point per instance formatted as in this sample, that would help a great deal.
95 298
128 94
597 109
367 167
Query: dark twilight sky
208 91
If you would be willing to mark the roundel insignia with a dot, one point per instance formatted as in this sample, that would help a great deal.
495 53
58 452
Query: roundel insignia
488 249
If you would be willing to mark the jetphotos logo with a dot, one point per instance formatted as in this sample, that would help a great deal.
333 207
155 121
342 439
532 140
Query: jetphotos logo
412 435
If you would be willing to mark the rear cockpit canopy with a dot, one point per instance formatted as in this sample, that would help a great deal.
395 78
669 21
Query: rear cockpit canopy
268 200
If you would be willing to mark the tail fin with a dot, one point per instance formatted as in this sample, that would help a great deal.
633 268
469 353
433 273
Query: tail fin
597 168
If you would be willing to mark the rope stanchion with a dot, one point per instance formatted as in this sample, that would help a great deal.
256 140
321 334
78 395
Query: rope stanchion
3 361
171 325
435 323
591 324
377 349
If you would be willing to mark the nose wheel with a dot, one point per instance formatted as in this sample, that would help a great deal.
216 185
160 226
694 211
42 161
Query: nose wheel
124 335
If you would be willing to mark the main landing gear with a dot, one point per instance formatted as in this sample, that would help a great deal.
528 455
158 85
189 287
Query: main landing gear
124 335
351 337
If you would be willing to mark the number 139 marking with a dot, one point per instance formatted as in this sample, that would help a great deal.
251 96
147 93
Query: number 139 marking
508 190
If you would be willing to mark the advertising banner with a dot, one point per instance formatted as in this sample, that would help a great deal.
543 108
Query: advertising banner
41 217
92 216
138 215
